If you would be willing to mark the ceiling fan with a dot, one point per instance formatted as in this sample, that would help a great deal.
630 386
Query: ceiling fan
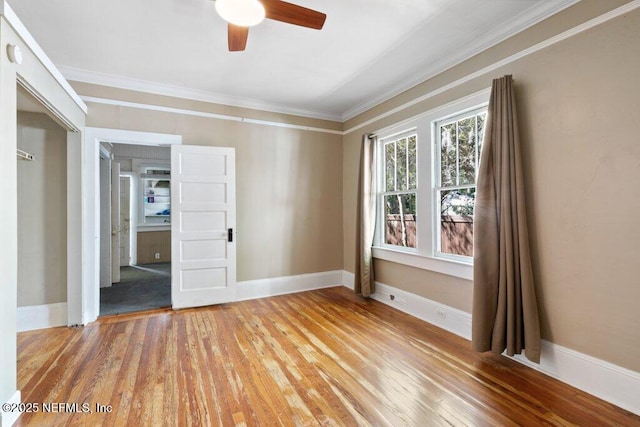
242 14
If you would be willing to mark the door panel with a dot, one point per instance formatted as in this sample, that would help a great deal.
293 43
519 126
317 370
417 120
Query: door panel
203 210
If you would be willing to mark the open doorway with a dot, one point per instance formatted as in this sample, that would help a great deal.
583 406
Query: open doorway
41 144
135 228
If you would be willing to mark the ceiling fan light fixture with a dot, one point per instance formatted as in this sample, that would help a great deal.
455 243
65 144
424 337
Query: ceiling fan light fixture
244 13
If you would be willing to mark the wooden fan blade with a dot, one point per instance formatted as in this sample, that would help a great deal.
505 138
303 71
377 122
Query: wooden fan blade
237 37
282 11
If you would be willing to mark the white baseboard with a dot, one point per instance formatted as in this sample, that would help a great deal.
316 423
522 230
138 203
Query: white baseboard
609 382
261 288
41 316
441 315
605 380
7 419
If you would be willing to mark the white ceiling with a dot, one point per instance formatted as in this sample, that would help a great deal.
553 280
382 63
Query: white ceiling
367 52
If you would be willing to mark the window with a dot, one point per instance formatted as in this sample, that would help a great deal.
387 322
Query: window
399 196
459 141
426 187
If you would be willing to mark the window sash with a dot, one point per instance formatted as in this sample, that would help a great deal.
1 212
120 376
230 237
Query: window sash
437 171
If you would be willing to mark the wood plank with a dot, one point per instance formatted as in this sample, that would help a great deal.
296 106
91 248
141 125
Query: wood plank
324 357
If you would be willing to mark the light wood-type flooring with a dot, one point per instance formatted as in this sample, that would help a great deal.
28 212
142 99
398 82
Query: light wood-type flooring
323 357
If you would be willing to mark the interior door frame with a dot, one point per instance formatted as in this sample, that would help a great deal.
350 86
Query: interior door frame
87 306
105 228
127 178
115 222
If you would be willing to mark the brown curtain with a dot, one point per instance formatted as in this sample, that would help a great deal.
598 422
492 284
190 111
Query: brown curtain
366 220
505 311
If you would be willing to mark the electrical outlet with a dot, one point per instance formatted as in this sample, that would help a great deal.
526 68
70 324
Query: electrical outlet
157 255
441 314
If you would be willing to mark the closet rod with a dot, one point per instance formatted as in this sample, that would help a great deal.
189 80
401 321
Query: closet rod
24 155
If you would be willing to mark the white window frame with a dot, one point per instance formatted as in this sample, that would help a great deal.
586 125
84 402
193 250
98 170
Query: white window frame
424 256
381 184
437 173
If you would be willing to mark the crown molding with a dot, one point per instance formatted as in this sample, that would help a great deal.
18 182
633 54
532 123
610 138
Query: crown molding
612 14
139 85
520 23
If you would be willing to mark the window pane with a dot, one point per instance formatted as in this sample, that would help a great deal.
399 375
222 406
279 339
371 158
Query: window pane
400 220
401 165
456 221
448 142
413 176
390 166
467 150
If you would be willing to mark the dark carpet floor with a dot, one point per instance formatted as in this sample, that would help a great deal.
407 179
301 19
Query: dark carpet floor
141 287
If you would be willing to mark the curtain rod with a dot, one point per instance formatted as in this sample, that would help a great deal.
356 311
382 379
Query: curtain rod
24 155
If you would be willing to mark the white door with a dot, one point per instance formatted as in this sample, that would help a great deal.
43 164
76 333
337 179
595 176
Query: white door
115 222
125 220
203 220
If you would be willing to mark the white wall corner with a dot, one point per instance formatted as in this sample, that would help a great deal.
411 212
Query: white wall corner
34 317
7 419
348 279
609 382
261 288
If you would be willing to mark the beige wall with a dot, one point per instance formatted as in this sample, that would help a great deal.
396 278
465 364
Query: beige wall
42 211
289 181
579 108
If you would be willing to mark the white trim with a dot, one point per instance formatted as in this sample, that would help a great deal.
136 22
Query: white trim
86 308
605 380
466 103
439 265
186 112
115 81
491 38
7 419
44 316
512 58
427 230
516 25
118 136
261 288
454 320
31 43
138 85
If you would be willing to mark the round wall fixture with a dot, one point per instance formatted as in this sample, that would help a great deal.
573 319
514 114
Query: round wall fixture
15 54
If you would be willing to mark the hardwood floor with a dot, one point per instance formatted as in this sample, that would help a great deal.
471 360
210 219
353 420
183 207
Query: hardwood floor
323 357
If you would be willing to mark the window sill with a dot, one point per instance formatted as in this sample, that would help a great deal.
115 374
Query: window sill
439 265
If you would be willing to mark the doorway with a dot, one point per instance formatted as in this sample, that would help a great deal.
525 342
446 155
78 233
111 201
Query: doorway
41 213
203 244
135 224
